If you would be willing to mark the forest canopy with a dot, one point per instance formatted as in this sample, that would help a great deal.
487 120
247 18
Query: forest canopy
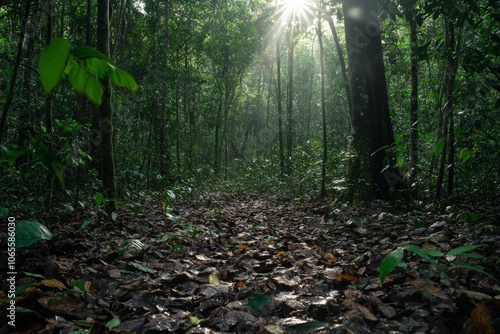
353 100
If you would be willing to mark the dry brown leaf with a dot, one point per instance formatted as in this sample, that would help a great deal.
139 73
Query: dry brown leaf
53 283
330 257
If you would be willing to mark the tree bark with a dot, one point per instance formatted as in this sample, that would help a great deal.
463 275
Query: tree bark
12 85
372 170
453 41
26 118
323 106
289 103
340 55
414 107
106 112
280 108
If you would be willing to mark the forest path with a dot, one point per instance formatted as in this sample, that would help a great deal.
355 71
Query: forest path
255 264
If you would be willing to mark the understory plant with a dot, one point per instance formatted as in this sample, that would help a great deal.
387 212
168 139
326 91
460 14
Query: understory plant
442 262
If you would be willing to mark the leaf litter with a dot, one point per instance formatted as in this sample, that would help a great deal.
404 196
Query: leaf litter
255 264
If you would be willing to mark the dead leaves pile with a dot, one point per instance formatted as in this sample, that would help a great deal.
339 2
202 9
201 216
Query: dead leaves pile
251 264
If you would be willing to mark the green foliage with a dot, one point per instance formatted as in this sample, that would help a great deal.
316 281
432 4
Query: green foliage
29 232
113 323
83 66
53 60
395 259
212 70
101 203
49 160
130 245
389 262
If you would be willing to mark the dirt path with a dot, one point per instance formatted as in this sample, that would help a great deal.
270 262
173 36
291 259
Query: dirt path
253 264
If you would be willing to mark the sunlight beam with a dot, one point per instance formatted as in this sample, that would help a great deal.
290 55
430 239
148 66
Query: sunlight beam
291 10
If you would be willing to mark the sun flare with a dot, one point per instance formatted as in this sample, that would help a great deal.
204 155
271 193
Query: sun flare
296 5
293 9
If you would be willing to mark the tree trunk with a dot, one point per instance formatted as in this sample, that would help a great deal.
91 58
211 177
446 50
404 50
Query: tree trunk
106 113
289 104
48 105
323 106
25 116
372 171
217 150
340 55
453 40
164 155
12 85
414 108
280 108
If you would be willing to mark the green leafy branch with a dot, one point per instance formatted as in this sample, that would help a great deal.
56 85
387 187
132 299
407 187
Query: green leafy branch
395 259
83 66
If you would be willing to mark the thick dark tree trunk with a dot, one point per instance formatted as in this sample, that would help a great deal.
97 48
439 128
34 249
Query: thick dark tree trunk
106 112
372 171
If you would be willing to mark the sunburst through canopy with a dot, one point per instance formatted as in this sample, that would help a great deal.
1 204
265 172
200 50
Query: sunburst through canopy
294 9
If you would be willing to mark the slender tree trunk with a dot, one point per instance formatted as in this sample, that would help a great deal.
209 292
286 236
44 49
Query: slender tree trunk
12 85
164 156
323 106
120 33
340 55
289 104
26 112
150 146
453 41
186 107
177 124
106 112
217 150
414 108
280 108
268 134
48 39
48 104
311 90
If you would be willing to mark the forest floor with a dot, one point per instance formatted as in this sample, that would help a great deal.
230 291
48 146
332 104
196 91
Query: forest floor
255 264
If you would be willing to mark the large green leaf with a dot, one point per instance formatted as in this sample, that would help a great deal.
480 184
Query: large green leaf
389 262
433 252
439 147
97 67
85 52
464 251
84 82
29 232
420 252
52 62
122 78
